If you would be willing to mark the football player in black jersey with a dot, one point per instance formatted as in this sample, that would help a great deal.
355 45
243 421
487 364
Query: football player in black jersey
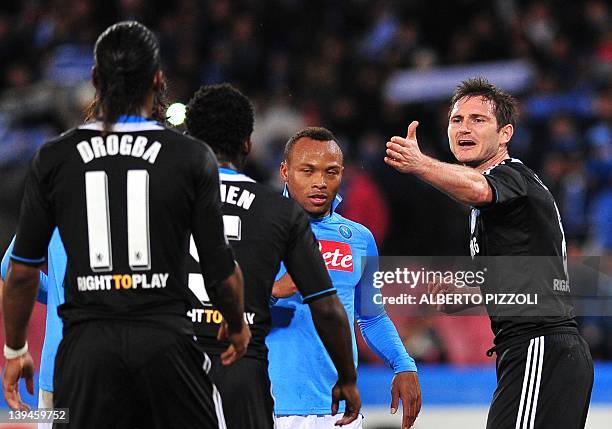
264 229
128 357
515 223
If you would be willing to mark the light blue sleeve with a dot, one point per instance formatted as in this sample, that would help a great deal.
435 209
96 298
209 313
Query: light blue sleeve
377 329
43 284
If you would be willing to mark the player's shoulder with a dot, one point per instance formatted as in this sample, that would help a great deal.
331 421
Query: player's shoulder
65 137
515 168
53 150
350 229
509 166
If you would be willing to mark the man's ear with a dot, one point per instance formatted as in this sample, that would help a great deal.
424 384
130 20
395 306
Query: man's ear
247 146
506 133
284 171
158 80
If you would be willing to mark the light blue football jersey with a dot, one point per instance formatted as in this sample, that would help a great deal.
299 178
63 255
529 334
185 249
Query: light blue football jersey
301 371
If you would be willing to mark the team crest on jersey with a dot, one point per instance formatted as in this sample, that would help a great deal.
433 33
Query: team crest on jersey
337 256
345 231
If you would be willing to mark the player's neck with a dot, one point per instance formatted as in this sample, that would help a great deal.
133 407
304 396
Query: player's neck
228 164
499 157
146 110
318 216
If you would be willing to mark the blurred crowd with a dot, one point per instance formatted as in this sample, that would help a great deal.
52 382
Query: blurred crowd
326 63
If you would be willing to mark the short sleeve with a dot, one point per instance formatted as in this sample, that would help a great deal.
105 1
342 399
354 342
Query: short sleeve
36 222
507 184
44 279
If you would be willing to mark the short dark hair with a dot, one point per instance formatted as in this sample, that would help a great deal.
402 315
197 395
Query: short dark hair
315 133
223 117
505 104
127 57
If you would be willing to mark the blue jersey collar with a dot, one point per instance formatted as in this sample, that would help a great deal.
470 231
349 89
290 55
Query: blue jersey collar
227 170
334 205
133 119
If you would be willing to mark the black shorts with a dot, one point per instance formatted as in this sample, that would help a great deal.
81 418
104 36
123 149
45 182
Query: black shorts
123 374
544 383
246 393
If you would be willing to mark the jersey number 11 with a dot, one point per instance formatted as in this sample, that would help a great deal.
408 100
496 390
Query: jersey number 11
98 221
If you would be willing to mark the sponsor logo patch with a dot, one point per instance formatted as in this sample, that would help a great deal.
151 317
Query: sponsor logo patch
337 256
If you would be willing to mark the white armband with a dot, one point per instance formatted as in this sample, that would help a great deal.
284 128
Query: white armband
10 353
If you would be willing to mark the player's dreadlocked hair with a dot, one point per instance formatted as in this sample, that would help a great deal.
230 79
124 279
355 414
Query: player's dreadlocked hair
223 117
126 56
505 104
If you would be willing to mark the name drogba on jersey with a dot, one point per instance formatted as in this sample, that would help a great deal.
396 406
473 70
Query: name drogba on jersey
127 145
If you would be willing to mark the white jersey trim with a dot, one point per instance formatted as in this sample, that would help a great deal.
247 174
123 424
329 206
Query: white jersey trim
488 170
124 127
224 177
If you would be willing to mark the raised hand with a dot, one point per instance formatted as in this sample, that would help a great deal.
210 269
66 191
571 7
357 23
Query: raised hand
403 153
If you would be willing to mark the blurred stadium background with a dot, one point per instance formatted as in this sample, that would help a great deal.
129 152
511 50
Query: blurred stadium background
364 69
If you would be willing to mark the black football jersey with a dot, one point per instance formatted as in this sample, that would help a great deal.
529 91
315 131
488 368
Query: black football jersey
521 237
263 228
125 204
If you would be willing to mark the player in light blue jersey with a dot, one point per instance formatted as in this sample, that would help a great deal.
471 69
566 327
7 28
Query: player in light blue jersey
51 292
301 372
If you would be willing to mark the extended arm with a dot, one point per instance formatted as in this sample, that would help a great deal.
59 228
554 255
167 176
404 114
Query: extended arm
464 184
